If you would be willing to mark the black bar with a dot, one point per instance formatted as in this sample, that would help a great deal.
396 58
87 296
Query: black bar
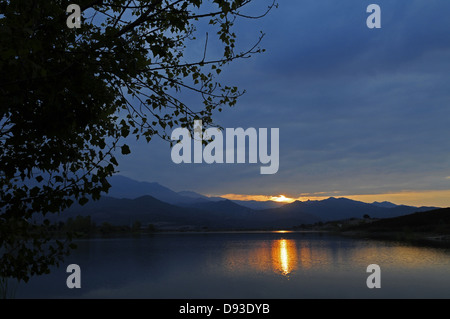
217 308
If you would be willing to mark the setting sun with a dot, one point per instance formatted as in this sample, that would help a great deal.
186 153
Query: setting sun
282 199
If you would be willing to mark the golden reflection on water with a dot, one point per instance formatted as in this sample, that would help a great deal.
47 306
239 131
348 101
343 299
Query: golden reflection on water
280 256
285 256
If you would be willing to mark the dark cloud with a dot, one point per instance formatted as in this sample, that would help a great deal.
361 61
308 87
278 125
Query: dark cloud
359 110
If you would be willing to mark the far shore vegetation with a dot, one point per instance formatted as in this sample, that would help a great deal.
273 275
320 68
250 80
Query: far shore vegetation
423 228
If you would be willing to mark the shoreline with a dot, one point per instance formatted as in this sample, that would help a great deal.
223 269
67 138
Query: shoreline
416 239
428 239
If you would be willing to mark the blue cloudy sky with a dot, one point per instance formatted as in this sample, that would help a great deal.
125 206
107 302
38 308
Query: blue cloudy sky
363 113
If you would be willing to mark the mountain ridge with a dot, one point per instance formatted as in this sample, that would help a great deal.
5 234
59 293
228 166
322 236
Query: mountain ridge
149 210
153 203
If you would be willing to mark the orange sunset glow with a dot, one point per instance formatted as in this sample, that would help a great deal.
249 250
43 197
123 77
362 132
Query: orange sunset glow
282 199
437 198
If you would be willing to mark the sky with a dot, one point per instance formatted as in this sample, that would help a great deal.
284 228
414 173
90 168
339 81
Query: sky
362 113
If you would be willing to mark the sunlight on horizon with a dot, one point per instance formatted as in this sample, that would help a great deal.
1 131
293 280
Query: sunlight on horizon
437 198
282 199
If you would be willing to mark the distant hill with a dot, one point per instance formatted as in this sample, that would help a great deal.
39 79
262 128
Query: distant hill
149 210
224 206
384 204
258 205
223 214
195 195
344 208
129 200
253 204
145 209
124 187
437 220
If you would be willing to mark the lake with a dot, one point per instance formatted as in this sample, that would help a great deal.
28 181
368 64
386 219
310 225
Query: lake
246 265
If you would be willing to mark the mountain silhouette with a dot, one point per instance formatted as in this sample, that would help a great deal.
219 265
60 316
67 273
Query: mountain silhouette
124 187
224 206
149 210
201 197
151 203
344 208
385 204
258 205
145 209
436 220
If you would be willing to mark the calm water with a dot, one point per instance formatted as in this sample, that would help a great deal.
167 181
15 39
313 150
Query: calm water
246 265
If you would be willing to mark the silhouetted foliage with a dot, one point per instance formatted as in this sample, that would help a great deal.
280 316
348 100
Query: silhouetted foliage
136 226
433 221
68 97
80 224
106 228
